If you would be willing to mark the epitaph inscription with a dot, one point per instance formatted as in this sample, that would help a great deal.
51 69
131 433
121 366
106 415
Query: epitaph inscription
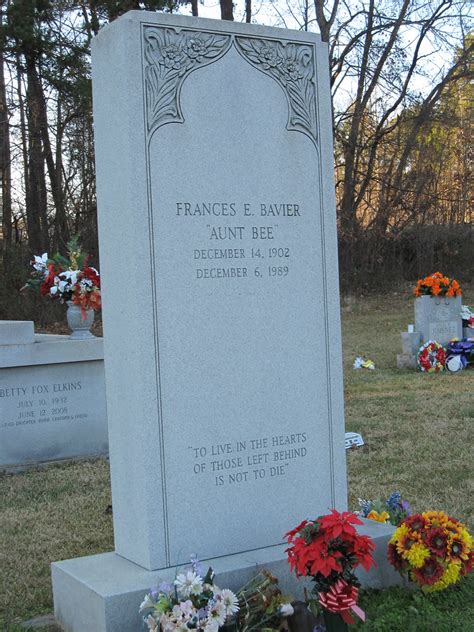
248 460
233 246
52 412
42 403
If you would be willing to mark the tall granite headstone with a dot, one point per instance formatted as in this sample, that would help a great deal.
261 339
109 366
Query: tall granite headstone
221 304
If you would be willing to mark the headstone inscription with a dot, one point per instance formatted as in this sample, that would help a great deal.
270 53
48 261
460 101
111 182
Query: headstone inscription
52 401
221 304
438 318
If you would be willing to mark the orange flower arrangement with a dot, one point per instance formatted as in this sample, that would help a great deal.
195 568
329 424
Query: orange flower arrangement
437 284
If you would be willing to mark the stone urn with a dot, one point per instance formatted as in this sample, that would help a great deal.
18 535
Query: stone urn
79 326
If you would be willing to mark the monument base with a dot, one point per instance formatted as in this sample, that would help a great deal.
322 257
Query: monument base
406 361
102 593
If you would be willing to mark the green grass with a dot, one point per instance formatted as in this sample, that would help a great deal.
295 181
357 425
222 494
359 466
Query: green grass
418 434
401 610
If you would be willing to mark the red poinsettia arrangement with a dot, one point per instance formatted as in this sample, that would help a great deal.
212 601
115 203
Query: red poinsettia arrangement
329 549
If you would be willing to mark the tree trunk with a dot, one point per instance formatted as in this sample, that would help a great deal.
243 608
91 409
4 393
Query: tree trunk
24 142
36 201
248 11
5 169
227 10
194 8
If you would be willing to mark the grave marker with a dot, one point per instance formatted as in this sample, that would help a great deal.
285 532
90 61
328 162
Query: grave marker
221 300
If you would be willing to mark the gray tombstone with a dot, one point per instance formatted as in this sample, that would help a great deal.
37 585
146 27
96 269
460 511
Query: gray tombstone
438 318
52 400
16 332
221 303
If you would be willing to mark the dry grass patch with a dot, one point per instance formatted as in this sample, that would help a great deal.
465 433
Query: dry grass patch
48 515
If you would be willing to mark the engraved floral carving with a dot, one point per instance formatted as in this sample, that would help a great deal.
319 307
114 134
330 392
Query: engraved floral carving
170 57
292 66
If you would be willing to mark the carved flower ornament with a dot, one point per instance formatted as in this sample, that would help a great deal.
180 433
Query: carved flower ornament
172 54
269 57
196 49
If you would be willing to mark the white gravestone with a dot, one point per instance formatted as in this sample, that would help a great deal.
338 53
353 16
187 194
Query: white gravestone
438 318
16 332
52 401
221 304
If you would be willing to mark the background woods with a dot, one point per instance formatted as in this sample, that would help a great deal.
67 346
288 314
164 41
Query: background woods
402 79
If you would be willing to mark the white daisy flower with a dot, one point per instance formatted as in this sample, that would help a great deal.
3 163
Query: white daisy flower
230 601
189 583
217 612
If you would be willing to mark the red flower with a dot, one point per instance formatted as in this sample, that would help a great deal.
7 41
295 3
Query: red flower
363 549
329 546
437 540
49 280
338 524
395 559
291 534
416 522
323 561
429 573
92 275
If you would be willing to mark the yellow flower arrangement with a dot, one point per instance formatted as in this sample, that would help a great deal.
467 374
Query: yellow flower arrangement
434 549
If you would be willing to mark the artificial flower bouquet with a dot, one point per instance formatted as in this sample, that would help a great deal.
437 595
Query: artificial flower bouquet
390 511
67 279
467 316
328 550
191 602
437 284
431 357
433 549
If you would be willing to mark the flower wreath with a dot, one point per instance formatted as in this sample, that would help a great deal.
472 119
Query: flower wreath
431 357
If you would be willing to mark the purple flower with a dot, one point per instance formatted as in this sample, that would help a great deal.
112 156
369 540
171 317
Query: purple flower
165 587
201 613
406 507
196 565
